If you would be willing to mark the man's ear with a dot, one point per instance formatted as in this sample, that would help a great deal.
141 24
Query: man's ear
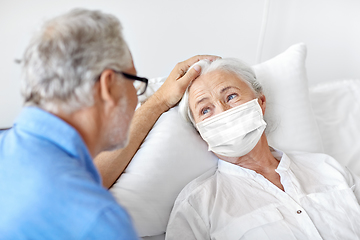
107 82
262 102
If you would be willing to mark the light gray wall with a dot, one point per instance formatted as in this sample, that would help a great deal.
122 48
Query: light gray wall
330 29
160 33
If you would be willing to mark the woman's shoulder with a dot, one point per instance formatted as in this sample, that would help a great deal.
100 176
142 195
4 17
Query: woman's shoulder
197 187
320 164
310 158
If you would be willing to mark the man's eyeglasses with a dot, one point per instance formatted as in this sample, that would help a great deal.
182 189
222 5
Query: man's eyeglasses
140 83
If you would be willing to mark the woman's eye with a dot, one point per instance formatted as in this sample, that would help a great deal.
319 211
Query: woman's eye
205 111
231 96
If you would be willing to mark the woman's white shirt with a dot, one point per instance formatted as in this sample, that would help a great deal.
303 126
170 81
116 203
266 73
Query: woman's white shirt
320 201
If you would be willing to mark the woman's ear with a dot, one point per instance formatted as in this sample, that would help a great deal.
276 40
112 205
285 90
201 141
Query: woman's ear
262 102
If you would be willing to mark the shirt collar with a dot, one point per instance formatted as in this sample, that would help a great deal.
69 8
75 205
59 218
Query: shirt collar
50 127
233 169
285 161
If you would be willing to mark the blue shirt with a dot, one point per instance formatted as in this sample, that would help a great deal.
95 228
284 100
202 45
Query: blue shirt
49 186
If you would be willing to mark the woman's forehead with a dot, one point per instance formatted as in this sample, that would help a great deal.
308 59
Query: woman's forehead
215 81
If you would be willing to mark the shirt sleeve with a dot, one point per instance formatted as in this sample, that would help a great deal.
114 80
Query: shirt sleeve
186 223
112 223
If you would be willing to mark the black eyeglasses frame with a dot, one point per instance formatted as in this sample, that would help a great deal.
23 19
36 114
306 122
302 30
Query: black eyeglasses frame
134 77
131 77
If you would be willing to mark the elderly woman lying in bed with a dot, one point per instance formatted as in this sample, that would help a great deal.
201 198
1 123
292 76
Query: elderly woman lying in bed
257 192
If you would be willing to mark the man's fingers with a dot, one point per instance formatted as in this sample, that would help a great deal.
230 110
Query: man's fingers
179 79
182 67
190 76
188 63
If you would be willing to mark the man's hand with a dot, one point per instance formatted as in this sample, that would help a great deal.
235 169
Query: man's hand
112 164
179 79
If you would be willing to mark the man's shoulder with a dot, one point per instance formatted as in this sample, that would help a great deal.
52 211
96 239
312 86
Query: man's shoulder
25 153
2 131
113 222
17 142
49 183
70 201
75 221
33 160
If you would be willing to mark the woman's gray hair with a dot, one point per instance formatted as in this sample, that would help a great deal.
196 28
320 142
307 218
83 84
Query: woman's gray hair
65 58
232 65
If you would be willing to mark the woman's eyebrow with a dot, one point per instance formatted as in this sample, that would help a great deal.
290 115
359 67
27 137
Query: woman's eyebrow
200 101
226 88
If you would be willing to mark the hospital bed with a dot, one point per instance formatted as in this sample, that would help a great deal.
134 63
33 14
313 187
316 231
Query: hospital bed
322 118
303 114
307 57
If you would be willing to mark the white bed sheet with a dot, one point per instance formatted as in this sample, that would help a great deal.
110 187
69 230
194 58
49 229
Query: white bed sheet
336 106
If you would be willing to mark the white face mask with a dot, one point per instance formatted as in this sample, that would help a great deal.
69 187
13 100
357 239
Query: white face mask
235 132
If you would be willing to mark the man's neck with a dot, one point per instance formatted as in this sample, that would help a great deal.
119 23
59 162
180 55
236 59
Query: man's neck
86 123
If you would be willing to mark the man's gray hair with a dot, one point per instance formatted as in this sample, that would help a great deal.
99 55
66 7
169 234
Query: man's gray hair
232 65
65 58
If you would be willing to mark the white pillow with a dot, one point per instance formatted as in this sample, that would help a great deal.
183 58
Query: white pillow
291 121
173 153
171 156
337 110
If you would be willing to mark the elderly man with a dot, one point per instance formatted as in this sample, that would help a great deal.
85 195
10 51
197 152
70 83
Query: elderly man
79 101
